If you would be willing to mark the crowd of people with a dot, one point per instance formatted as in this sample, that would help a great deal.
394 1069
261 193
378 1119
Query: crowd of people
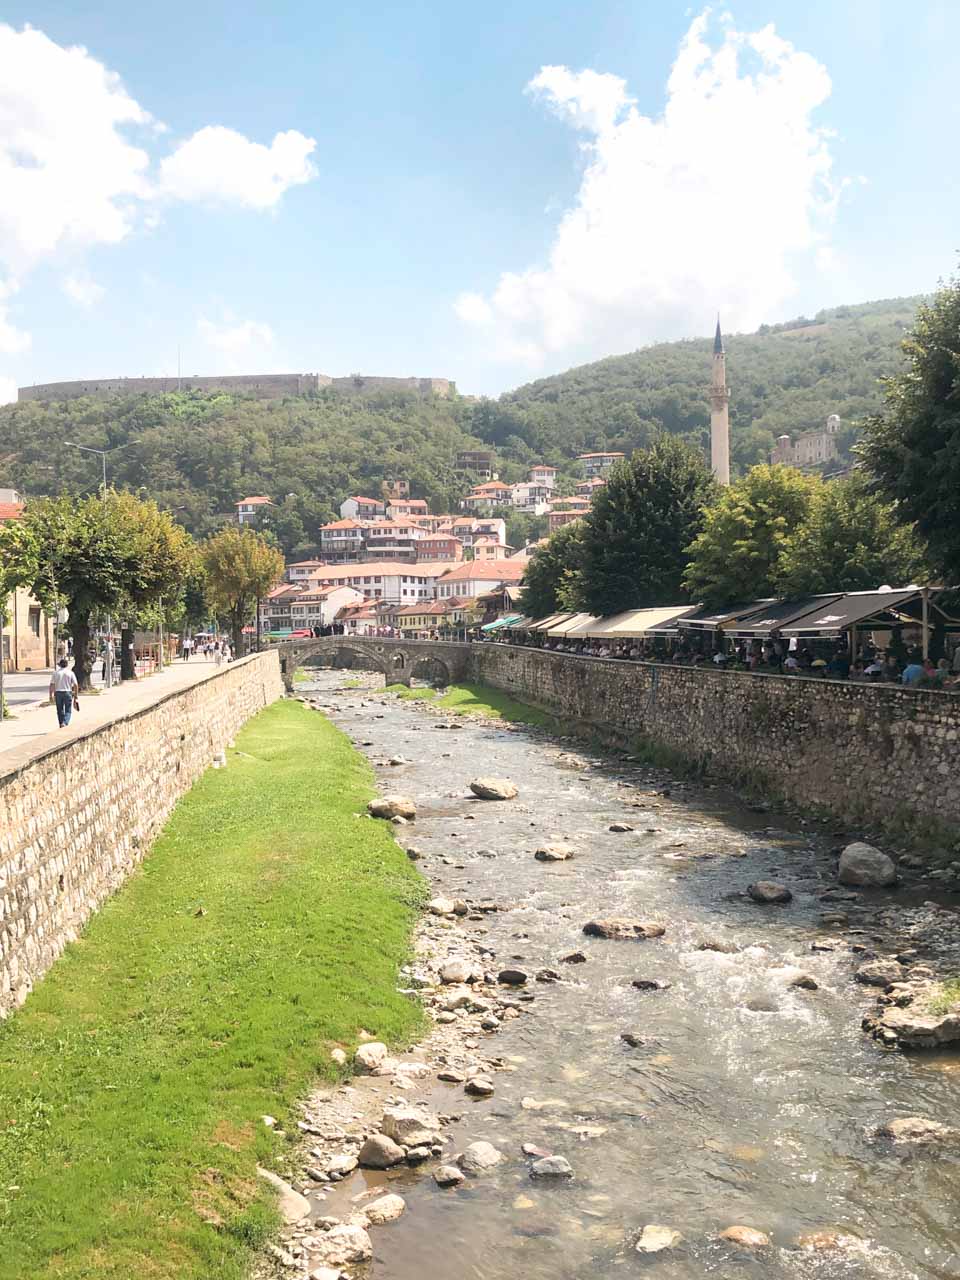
819 659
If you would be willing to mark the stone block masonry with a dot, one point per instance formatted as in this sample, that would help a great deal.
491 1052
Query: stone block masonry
78 818
873 753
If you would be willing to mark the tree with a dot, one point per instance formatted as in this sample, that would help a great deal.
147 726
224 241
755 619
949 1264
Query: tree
911 448
240 567
642 520
552 578
848 541
737 554
97 554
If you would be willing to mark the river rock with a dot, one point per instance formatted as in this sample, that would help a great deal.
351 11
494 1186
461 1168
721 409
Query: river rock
917 1131
380 1152
619 826
293 1206
863 864
448 1175
650 984
479 1086
479 1157
551 1167
920 1030
574 957
410 1126
554 852
441 906
745 1237
494 789
623 929
461 970
342 1165
392 807
370 1057
720 945
342 1246
804 982
767 891
386 1209
326 1273
825 1242
879 973
654 1239
511 977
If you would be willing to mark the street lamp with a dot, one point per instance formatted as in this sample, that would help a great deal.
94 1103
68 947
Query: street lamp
85 448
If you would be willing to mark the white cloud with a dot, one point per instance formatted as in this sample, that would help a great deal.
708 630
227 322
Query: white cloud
77 168
221 166
238 345
12 340
705 208
82 289
8 390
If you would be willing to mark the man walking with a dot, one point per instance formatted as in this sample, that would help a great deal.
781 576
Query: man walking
64 689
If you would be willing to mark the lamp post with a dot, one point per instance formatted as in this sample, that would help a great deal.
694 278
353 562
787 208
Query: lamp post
108 663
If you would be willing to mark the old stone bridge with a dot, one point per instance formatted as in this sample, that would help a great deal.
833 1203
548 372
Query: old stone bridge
441 661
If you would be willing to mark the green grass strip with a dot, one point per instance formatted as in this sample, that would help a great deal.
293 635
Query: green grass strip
266 925
477 700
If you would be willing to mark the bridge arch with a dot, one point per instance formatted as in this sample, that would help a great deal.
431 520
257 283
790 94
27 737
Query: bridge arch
397 659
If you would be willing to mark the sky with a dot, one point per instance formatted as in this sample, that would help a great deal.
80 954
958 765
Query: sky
485 193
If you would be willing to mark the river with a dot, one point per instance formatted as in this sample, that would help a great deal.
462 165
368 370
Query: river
744 1099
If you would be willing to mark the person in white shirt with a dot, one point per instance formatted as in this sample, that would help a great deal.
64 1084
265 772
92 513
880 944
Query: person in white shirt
63 690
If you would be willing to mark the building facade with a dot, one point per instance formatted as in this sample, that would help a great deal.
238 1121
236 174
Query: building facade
810 449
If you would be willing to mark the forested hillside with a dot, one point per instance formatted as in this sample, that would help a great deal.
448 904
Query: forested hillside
784 378
199 453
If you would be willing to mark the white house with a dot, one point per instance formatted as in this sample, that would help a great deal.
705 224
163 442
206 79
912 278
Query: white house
362 509
476 578
250 509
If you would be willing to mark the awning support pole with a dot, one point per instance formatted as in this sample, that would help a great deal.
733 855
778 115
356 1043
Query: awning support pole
926 622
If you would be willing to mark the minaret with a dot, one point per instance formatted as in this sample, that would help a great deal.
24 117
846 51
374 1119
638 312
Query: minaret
719 413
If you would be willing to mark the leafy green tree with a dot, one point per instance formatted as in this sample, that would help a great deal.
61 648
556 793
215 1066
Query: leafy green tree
911 447
737 554
98 554
552 578
240 567
848 541
641 522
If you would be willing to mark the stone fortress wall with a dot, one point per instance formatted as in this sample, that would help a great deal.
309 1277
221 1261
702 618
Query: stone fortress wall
262 386
864 752
78 818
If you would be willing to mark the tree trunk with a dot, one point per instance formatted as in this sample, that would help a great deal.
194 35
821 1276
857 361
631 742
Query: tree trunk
80 631
236 628
128 669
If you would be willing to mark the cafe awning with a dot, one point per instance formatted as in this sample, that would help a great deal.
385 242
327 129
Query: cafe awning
507 620
771 618
568 625
871 610
543 624
707 618
629 625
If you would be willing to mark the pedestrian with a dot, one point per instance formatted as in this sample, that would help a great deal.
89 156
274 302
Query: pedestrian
217 653
187 647
64 690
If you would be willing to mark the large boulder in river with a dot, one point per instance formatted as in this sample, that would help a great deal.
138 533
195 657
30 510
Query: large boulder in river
380 1152
479 1157
655 1238
410 1126
494 789
917 1131
621 930
862 864
392 807
556 852
341 1246
744 1237
918 1028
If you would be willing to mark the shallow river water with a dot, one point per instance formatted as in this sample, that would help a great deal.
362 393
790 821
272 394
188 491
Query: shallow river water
749 1101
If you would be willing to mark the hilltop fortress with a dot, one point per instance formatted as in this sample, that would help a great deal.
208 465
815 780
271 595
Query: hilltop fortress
261 386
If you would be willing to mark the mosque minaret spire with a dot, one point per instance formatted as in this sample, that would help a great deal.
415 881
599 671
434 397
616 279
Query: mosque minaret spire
719 412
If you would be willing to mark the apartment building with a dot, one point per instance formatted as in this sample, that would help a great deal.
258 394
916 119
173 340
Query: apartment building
26 633
595 464
477 577
343 541
394 583
362 509
439 546
301 607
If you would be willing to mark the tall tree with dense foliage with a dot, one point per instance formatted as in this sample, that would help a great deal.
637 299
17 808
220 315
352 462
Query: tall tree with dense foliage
911 447
552 578
240 567
97 554
736 556
849 540
642 520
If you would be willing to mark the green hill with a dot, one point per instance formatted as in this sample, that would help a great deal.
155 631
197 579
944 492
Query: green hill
784 378
199 453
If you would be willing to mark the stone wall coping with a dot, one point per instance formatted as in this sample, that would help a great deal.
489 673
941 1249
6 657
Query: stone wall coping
33 753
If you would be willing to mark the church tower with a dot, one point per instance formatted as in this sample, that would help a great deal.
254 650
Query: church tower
719 413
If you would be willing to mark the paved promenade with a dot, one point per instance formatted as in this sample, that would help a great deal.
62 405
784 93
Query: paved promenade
35 729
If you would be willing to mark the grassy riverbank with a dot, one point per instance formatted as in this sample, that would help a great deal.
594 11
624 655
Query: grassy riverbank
265 926
477 700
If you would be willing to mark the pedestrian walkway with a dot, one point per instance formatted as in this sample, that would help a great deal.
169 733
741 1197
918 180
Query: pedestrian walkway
35 729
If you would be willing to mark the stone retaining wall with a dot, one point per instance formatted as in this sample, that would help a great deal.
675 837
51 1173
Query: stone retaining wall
864 752
76 820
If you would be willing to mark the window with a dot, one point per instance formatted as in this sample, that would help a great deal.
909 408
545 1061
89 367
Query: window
34 621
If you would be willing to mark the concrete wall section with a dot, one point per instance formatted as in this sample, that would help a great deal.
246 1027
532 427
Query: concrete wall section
77 819
872 752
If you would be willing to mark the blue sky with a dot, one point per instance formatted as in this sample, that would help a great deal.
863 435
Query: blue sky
485 193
